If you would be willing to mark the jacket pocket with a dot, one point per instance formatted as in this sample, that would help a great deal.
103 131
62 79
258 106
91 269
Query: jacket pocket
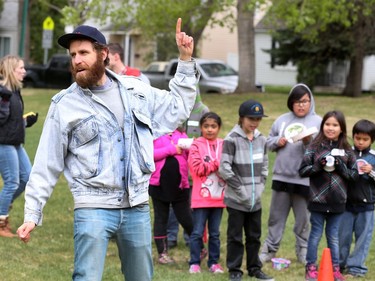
143 148
85 148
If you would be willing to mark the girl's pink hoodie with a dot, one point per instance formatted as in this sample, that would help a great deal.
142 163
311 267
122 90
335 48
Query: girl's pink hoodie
204 161
165 146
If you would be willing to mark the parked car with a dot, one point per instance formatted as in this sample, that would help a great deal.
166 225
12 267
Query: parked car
156 66
215 75
55 74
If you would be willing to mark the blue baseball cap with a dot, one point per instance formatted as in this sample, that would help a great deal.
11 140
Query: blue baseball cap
82 32
251 108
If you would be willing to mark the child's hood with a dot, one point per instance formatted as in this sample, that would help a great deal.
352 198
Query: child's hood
238 130
312 101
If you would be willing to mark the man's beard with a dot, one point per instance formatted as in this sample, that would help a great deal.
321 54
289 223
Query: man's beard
92 75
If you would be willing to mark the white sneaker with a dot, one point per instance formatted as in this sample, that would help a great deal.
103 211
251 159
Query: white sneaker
266 257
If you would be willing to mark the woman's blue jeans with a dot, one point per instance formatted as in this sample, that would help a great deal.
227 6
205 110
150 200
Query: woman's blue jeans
130 228
201 216
332 221
15 167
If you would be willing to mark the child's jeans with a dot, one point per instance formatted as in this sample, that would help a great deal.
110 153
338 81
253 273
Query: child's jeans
332 221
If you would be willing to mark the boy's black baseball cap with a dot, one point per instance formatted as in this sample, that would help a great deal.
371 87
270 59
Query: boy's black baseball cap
82 32
251 108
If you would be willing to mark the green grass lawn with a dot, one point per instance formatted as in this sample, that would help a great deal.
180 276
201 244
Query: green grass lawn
49 254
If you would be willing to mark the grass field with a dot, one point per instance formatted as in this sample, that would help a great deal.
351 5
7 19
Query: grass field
49 254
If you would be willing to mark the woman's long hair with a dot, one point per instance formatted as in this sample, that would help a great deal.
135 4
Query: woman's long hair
8 65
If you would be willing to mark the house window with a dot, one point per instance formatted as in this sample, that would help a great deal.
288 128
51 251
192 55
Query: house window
4 46
273 47
289 66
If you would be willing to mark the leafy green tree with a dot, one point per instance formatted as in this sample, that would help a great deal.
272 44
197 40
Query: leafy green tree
38 11
196 15
309 18
1 5
311 58
156 20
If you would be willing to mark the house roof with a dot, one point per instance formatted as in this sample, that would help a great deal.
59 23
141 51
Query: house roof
266 24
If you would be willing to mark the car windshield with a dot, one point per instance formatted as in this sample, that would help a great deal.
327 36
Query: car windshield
218 69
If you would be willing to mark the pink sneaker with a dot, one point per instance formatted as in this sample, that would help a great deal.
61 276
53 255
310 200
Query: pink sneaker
337 274
311 272
195 268
216 268
164 258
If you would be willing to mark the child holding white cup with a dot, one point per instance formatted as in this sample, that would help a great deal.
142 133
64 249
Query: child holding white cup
358 219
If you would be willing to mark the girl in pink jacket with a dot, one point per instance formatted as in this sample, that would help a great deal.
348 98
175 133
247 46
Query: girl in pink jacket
169 184
208 192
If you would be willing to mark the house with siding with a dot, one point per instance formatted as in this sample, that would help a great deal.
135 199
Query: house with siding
266 74
10 27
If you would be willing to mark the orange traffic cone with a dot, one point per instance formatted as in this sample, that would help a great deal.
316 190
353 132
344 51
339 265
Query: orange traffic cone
325 268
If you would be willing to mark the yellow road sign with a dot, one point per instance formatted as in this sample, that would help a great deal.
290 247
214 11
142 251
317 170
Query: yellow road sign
48 24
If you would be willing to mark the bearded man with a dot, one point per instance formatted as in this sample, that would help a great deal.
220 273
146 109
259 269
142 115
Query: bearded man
100 133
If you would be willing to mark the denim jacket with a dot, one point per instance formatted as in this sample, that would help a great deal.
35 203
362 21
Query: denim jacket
101 162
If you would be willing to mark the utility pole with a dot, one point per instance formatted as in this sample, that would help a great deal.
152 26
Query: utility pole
21 49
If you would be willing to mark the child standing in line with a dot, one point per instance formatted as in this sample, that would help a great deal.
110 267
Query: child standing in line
330 163
207 200
289 190
244 166
169 185
358 219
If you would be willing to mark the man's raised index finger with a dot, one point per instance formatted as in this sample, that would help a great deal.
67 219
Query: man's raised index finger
178 26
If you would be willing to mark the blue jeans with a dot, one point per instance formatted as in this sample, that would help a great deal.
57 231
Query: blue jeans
362 225
201 216
15 167
131 229
317 220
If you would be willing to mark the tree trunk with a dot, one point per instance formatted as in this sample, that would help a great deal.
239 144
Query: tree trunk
246 47
353 87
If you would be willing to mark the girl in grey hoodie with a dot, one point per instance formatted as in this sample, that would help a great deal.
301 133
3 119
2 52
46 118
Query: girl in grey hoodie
289 189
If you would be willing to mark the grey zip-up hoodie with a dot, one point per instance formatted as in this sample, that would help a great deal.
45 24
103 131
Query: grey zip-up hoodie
244 166
289 158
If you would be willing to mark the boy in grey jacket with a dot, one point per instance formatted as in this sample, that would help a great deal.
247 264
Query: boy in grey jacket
244 166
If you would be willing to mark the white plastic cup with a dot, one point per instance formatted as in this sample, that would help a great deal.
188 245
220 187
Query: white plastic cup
185 143
330 161
360 163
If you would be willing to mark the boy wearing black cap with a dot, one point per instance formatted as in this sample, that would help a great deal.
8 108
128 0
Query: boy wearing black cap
244 166
100 133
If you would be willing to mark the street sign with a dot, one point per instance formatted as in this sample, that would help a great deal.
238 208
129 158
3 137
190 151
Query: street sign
48 24
47 39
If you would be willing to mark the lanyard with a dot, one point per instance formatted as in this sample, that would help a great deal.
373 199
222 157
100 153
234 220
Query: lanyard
216 149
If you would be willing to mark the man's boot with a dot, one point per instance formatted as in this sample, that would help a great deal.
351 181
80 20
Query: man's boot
5 227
